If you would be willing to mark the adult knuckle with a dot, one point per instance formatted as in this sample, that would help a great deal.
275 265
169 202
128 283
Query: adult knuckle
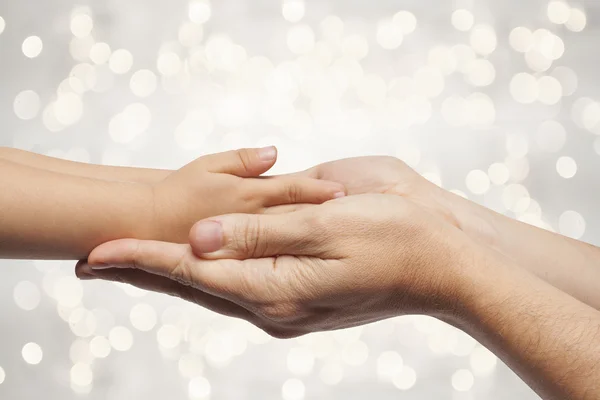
279 312
247 236
293 192
181 272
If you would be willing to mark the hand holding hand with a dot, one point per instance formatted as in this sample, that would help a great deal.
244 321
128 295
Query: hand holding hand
225 183
347 262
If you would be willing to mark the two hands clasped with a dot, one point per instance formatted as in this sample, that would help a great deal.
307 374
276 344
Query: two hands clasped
343 244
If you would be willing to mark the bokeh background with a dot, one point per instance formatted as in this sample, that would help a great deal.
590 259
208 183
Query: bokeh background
496 100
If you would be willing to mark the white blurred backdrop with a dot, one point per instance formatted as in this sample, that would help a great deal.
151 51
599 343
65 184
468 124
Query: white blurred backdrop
495 99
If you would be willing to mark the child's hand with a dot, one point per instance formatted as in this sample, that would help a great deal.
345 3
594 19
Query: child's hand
229 183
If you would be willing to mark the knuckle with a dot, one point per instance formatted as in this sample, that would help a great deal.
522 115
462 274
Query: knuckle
181 272
293 192
246 236
245 158
279 313
318 222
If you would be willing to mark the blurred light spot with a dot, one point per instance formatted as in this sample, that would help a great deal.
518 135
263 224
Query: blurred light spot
32 46
406 379
120 61
199 388
301 39
478 182
389 34
168 64
100 347
355 46
462 20
143 83
81 374
577 20
32 353
293 10
27 104
443 58
515 196
143 317
2 27
521 39
199 11
168 336
571 224
82 322
68 291
483 362
462 380
558 12
483 39
590 117
481 72
549 90
190 34
2 373
100 53
566 167
293 389
27 295
406 21
120 338
333 28
81 25
389 365
524 88
498 173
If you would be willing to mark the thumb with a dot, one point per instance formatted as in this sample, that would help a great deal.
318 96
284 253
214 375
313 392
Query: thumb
243 236
245 163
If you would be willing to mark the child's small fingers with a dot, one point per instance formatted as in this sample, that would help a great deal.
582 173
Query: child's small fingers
285 190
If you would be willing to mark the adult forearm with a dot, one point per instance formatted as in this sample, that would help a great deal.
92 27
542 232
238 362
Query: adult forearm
124 174
546 336
55 216
567 264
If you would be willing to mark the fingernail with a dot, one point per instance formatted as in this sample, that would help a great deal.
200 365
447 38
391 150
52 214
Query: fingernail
207 236
339 195
85 272
267 153
100 266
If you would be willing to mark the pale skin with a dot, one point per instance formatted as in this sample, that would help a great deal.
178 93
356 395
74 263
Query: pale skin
406 248
53 209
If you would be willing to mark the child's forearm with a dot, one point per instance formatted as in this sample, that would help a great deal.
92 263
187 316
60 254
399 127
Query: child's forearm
124 174
47 215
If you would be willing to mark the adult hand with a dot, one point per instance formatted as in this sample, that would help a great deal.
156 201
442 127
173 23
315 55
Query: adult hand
226 183
347 262
389 175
